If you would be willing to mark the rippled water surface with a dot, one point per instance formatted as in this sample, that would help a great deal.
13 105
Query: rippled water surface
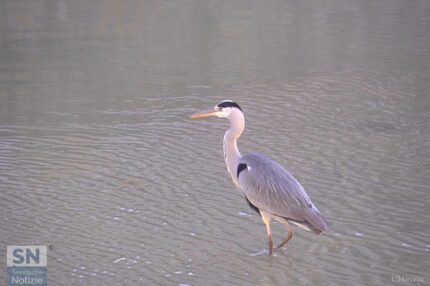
100 162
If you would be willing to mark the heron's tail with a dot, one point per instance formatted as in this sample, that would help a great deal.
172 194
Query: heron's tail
317 222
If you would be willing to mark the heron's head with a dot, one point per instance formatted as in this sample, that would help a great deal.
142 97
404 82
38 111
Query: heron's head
223 109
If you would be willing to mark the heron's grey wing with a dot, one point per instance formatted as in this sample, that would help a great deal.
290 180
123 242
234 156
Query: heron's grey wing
268 186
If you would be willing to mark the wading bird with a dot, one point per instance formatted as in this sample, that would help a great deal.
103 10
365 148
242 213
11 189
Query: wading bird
269 189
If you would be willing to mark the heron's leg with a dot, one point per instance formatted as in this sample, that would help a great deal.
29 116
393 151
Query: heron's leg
290 235
266 219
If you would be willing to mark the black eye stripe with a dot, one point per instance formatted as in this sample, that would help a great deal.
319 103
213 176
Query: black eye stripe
229 104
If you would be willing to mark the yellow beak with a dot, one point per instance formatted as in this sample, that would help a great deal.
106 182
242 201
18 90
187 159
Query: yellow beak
205 113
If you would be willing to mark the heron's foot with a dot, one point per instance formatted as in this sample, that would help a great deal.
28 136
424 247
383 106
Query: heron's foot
290 235
270 246
285 241
282 244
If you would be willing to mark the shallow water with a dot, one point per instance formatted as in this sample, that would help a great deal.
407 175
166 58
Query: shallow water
100 161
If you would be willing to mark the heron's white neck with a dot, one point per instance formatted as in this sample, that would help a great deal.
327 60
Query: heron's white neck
231 152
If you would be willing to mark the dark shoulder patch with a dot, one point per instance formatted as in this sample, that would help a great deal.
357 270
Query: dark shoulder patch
229 104
252 206
240 168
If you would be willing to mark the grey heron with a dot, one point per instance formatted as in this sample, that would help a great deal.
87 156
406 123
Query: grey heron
269 189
